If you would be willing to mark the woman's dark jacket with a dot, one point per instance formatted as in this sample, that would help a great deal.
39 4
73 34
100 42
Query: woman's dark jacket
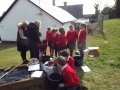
21 42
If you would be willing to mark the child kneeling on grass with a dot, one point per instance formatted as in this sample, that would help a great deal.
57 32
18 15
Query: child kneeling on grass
69 59
71 80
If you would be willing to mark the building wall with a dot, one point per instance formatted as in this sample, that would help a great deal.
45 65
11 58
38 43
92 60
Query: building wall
66 26
24 10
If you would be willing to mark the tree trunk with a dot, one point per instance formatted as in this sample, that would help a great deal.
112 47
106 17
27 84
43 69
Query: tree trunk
118 8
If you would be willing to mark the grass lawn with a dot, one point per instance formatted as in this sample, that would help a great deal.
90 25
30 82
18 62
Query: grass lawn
9 56
105 74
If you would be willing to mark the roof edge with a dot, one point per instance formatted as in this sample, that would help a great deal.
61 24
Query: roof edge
7 11
13 4
46 12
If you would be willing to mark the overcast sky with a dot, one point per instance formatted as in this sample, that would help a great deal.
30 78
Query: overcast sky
88 5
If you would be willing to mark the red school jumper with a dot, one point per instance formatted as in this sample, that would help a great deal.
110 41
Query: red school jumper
48 36
62 41
70 62
72 36
70 77
82 36
54 39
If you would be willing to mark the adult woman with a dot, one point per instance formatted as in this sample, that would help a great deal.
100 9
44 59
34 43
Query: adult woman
34 40
22 40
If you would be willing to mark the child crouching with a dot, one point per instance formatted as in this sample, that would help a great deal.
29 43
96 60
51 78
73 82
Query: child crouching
71 80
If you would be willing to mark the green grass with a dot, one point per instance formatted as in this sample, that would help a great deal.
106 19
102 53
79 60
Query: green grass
105 74
9 56
105 68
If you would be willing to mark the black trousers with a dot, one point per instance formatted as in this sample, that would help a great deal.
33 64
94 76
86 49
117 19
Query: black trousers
34 50
82 54
23 54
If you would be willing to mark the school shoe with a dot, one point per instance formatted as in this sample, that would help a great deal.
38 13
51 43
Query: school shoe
25 62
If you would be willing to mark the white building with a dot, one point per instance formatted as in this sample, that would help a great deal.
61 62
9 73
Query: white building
21 10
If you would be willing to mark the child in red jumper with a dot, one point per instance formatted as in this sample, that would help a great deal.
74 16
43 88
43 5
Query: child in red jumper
49 40
54 41
82 39
69 59
43 47
62 41
71 80
72 36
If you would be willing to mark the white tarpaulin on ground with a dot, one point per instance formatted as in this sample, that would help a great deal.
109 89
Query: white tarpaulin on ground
85 68
37 74
34 67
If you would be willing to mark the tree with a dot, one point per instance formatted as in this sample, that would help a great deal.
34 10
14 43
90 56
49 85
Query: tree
97 11
117 8
109 11
106 10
